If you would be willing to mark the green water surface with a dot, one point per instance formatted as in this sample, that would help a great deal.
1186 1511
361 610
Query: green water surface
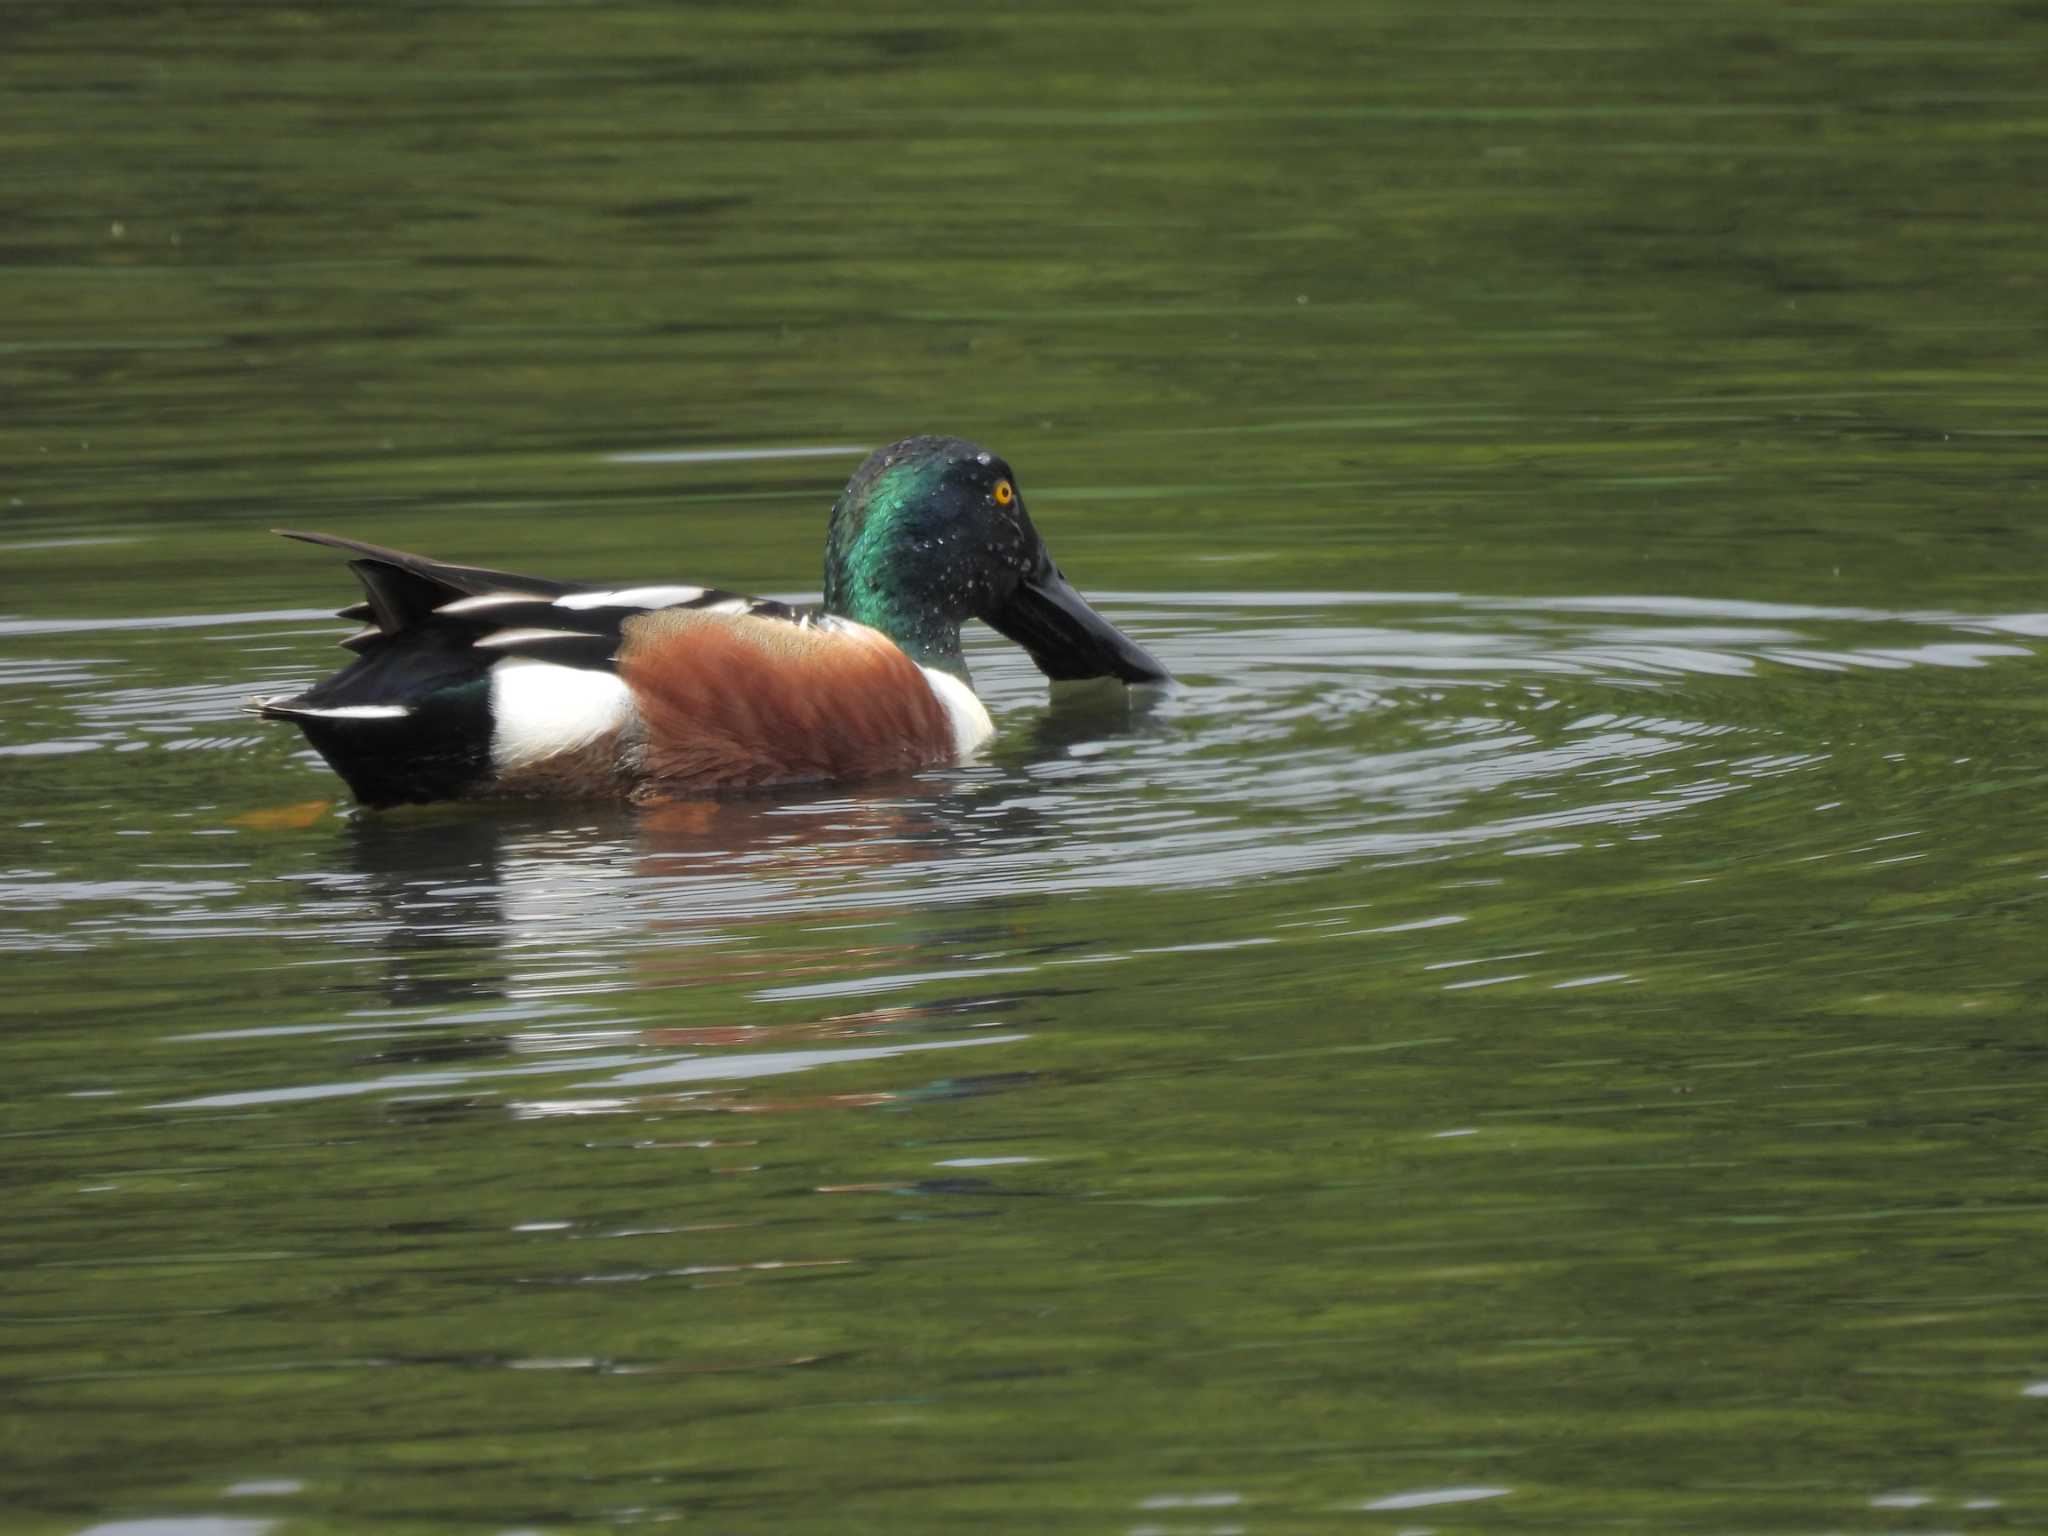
1542 1029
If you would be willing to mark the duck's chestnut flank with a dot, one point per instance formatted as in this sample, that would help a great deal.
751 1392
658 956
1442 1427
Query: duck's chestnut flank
737 701
473 682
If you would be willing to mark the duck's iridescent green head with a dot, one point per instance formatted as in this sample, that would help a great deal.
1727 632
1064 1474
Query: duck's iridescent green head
931 532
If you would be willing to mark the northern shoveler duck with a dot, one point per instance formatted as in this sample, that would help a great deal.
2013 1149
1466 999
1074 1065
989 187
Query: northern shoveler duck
474 682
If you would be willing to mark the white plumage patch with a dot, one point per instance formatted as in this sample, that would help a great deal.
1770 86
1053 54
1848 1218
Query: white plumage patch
539 710
504 639
632 597
971 724
488 601
347 711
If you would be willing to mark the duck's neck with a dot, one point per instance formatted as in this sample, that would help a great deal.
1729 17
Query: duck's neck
880 567
925 635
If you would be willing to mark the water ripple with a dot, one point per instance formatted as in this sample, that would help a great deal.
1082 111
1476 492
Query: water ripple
1309 731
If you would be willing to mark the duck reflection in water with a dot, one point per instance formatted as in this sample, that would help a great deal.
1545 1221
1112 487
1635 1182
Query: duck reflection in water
757 908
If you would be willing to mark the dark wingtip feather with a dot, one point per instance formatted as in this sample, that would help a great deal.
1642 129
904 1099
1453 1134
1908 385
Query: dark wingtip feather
330 540
459 580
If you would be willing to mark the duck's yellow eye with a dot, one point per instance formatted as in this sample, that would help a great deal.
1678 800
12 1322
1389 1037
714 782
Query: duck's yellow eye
1005 493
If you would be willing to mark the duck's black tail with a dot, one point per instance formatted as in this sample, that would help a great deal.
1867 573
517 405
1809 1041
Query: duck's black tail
410 719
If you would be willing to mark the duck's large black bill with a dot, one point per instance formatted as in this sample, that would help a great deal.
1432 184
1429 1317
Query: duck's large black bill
1067 638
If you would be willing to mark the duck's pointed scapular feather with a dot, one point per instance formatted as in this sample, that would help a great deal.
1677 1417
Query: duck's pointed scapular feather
587 652
582 628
